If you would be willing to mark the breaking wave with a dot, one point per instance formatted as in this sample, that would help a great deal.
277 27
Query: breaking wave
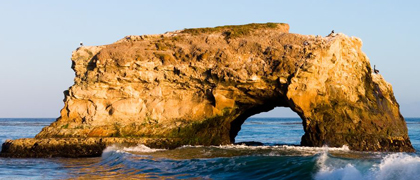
393 166
261 162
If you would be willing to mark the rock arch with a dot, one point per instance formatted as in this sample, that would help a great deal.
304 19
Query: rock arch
197 86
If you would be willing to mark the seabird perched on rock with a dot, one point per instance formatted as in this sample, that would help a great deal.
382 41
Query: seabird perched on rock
331 34
375 70
81 43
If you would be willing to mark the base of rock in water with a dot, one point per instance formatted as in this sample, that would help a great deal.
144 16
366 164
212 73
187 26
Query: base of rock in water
250 143
72 147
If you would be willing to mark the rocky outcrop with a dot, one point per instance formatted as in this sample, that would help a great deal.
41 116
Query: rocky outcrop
198 86
72 147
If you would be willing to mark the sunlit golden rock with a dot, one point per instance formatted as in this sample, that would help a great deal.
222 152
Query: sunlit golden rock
197 87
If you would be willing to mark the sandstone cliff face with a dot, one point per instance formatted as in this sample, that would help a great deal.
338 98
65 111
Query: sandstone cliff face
198 86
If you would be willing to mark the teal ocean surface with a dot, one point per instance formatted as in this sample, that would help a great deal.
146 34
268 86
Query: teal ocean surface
277 158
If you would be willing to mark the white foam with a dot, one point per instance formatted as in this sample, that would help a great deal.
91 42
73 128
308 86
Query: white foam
109 151
323 149
190 146
393 166
141 148
138 148
349 172
286 147
397 166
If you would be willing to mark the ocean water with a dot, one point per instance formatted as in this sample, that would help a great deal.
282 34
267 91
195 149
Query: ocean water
278 158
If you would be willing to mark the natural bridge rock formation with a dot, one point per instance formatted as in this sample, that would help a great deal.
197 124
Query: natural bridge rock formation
198 86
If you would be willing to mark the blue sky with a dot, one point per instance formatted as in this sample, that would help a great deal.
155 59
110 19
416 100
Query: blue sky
37 38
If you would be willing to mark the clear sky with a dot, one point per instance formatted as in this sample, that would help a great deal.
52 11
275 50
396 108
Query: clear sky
37 38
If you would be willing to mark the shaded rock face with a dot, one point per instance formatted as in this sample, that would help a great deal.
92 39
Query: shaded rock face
72 147
198 86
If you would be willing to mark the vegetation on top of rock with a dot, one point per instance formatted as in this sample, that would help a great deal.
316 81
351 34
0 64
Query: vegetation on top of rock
232 31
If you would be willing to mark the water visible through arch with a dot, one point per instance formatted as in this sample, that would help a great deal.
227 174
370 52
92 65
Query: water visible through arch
277 127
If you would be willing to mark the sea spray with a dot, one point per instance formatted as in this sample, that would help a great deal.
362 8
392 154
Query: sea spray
398 166
391 167
329 172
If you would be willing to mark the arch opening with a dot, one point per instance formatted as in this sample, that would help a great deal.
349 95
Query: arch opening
275 126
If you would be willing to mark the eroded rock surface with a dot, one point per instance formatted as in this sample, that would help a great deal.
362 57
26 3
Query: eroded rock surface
198 86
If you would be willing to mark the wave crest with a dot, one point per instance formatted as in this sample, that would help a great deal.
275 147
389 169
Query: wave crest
392 166
399 166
